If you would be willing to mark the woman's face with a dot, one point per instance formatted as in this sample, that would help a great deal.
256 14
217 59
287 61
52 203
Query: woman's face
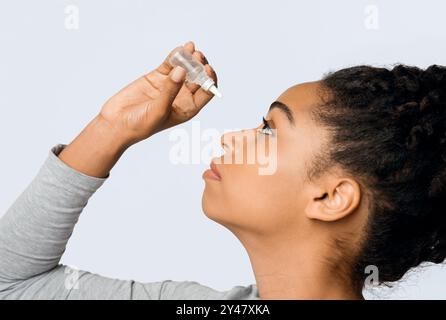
266 195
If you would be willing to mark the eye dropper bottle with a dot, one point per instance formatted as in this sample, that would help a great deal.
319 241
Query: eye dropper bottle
195 71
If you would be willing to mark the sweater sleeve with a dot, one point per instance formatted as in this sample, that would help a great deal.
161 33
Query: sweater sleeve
34 233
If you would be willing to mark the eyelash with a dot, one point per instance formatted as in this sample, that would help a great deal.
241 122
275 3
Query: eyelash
266 127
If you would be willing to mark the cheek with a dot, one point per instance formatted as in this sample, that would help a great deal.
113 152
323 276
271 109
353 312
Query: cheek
264 207
260 203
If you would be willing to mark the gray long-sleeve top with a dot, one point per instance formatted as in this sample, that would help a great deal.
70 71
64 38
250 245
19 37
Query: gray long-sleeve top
34 233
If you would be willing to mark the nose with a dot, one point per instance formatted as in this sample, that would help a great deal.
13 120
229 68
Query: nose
226 142
232 141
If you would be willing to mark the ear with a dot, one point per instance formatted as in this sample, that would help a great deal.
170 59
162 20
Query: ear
335 200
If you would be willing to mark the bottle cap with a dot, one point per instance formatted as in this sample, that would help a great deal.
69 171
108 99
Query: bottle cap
215 91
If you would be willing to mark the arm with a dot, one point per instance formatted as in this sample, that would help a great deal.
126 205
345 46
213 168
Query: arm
35 230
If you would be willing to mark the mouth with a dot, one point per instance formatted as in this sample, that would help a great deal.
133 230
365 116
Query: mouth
212 172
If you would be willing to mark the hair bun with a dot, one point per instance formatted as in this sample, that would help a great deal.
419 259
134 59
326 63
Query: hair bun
434 77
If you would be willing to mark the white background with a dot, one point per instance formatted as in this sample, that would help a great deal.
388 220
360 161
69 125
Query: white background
146 222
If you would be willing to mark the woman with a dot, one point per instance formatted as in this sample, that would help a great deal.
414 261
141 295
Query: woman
358 183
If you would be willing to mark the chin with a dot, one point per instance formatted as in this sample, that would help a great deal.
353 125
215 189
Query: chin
214 210
208 206
221 214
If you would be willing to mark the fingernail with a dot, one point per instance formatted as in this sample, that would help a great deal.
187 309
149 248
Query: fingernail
178 74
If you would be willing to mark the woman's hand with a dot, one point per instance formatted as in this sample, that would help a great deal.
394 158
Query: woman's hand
154 102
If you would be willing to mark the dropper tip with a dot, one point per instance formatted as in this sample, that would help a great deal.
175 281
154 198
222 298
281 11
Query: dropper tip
215 91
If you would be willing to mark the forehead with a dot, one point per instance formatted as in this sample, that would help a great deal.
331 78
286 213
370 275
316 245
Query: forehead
301 98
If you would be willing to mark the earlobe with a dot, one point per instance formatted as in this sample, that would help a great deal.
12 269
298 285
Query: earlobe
340 199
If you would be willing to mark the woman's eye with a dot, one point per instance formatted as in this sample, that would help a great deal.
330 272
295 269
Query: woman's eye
266 129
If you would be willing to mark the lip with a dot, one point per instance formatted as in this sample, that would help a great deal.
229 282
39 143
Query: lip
212 172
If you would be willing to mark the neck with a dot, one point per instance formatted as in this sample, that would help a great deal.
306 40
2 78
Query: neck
286 269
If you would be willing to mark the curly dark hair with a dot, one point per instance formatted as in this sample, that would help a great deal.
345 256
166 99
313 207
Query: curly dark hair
389 130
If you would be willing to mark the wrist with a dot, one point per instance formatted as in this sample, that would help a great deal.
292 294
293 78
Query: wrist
111 137
96 149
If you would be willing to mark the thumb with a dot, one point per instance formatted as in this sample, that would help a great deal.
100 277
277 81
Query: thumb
171 86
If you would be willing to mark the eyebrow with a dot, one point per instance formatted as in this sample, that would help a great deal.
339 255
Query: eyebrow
284 108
